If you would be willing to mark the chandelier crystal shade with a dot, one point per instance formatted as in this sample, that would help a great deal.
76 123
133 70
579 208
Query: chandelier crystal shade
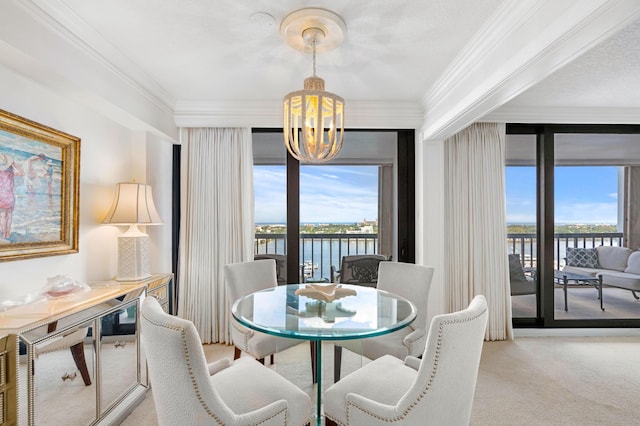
313 118
313 122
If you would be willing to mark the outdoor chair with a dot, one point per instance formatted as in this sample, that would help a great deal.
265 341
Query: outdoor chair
358 269
521 282
435 390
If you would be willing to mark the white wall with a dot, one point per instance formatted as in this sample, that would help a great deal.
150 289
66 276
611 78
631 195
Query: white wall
109 153
430 218
159 158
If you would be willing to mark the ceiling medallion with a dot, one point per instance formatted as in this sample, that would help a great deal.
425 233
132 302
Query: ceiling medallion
313 118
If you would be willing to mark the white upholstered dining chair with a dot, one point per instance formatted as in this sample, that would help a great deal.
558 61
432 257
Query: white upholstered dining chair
244 278
187 390
413 283
435 390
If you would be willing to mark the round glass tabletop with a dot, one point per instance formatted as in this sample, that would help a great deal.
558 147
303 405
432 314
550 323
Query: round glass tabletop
324 311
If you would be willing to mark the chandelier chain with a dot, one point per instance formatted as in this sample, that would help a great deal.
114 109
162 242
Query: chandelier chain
313 45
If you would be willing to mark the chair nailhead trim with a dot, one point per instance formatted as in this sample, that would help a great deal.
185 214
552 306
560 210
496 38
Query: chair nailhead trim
193 379
429 383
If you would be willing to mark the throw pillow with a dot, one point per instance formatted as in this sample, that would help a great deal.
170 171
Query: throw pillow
582 257
516 273
633 263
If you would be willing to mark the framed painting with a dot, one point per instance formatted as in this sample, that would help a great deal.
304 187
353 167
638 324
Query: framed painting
39 188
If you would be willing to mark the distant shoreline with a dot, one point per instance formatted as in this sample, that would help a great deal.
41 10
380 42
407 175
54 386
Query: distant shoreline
310 223
508 224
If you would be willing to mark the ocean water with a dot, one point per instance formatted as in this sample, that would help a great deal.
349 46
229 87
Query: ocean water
317 256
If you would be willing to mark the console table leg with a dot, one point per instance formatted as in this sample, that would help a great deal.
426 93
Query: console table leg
77 351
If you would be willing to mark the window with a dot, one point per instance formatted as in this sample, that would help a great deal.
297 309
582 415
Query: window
347 206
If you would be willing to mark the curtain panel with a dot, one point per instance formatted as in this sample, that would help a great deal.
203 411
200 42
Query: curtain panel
217 224
475 224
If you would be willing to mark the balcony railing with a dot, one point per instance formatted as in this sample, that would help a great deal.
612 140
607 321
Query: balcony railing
318 252
525 245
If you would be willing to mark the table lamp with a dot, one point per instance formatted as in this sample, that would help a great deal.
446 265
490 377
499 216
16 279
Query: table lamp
133 205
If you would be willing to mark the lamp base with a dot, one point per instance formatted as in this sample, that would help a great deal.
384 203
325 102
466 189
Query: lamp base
133 257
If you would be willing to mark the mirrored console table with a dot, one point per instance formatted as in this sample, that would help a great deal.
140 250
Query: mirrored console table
81 360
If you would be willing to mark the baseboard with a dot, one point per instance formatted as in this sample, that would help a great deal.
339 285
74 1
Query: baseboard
123 409
576 332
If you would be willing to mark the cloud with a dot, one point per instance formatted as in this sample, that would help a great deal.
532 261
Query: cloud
586 212
521 218
327 193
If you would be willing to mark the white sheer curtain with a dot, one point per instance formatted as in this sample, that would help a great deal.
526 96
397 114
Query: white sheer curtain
475 224
216 226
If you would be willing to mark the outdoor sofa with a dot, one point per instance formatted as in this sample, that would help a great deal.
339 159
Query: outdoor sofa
619 266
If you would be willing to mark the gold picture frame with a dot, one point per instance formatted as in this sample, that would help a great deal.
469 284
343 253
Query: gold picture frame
39 189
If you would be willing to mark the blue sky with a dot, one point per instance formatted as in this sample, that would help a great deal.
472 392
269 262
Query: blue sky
328 194
585 194
334 194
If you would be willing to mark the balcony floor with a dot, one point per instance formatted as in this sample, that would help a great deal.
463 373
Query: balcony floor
583 303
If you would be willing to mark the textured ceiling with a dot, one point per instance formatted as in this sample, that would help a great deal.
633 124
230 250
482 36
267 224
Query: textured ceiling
201 50
437 65
606 75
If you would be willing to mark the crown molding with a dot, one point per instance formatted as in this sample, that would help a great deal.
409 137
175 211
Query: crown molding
383 114
511 53
358 114
504 22
56 15
228 114
557 115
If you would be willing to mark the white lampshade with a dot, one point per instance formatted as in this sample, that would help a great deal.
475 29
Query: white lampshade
133 205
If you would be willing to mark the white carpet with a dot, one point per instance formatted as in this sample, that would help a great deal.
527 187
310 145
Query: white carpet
529 381
559 381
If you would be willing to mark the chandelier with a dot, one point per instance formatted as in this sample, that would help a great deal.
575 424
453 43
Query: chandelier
313 118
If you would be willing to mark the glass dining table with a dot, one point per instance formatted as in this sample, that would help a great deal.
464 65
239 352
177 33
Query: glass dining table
318 312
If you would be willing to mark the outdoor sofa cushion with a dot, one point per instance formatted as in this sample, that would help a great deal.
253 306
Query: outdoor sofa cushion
614 258
633 263
621 279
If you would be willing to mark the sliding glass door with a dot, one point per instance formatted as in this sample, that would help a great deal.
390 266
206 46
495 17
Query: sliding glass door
589 215
587 222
